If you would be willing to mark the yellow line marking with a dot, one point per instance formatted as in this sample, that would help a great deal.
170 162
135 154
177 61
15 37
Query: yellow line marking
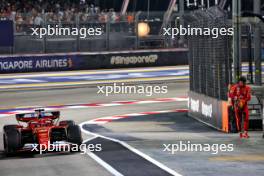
243 158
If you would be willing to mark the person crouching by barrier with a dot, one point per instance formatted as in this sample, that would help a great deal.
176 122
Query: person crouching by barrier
240 95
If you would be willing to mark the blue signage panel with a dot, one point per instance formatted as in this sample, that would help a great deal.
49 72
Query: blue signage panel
6 33
38 63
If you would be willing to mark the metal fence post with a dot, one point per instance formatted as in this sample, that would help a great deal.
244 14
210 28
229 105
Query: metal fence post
237 39
108 32
77 24
45 38
263 117
257 45
136 29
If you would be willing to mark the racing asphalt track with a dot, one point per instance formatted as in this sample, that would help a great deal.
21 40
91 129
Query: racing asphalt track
146 134
67 164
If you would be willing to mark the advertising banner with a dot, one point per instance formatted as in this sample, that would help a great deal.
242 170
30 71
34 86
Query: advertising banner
86 61
206 109
37 63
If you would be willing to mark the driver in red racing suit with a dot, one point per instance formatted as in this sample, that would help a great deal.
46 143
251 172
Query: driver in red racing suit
240 94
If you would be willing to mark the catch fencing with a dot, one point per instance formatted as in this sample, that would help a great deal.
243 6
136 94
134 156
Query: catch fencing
210 58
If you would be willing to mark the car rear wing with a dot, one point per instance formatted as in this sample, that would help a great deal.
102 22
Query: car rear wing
26 117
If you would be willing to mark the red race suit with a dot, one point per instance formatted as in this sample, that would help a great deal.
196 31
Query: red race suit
240 95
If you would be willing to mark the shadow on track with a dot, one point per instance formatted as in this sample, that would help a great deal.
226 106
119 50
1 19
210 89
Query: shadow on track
30 155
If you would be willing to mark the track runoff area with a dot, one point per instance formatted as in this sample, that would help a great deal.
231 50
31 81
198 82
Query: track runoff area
130 133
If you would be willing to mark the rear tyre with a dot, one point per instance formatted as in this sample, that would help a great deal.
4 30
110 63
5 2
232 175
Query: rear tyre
12 141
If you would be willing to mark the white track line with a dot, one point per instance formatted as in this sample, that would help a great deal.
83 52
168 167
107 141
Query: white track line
104 164
90 139
100 161
143 155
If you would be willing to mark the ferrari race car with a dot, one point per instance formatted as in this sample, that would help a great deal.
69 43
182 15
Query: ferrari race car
41 129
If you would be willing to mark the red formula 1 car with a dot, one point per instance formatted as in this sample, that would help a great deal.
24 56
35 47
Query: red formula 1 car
42 129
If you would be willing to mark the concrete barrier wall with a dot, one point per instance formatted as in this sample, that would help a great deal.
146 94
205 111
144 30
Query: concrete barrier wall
208 110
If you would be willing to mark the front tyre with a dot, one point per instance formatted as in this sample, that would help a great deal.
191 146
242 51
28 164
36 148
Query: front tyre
74 134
